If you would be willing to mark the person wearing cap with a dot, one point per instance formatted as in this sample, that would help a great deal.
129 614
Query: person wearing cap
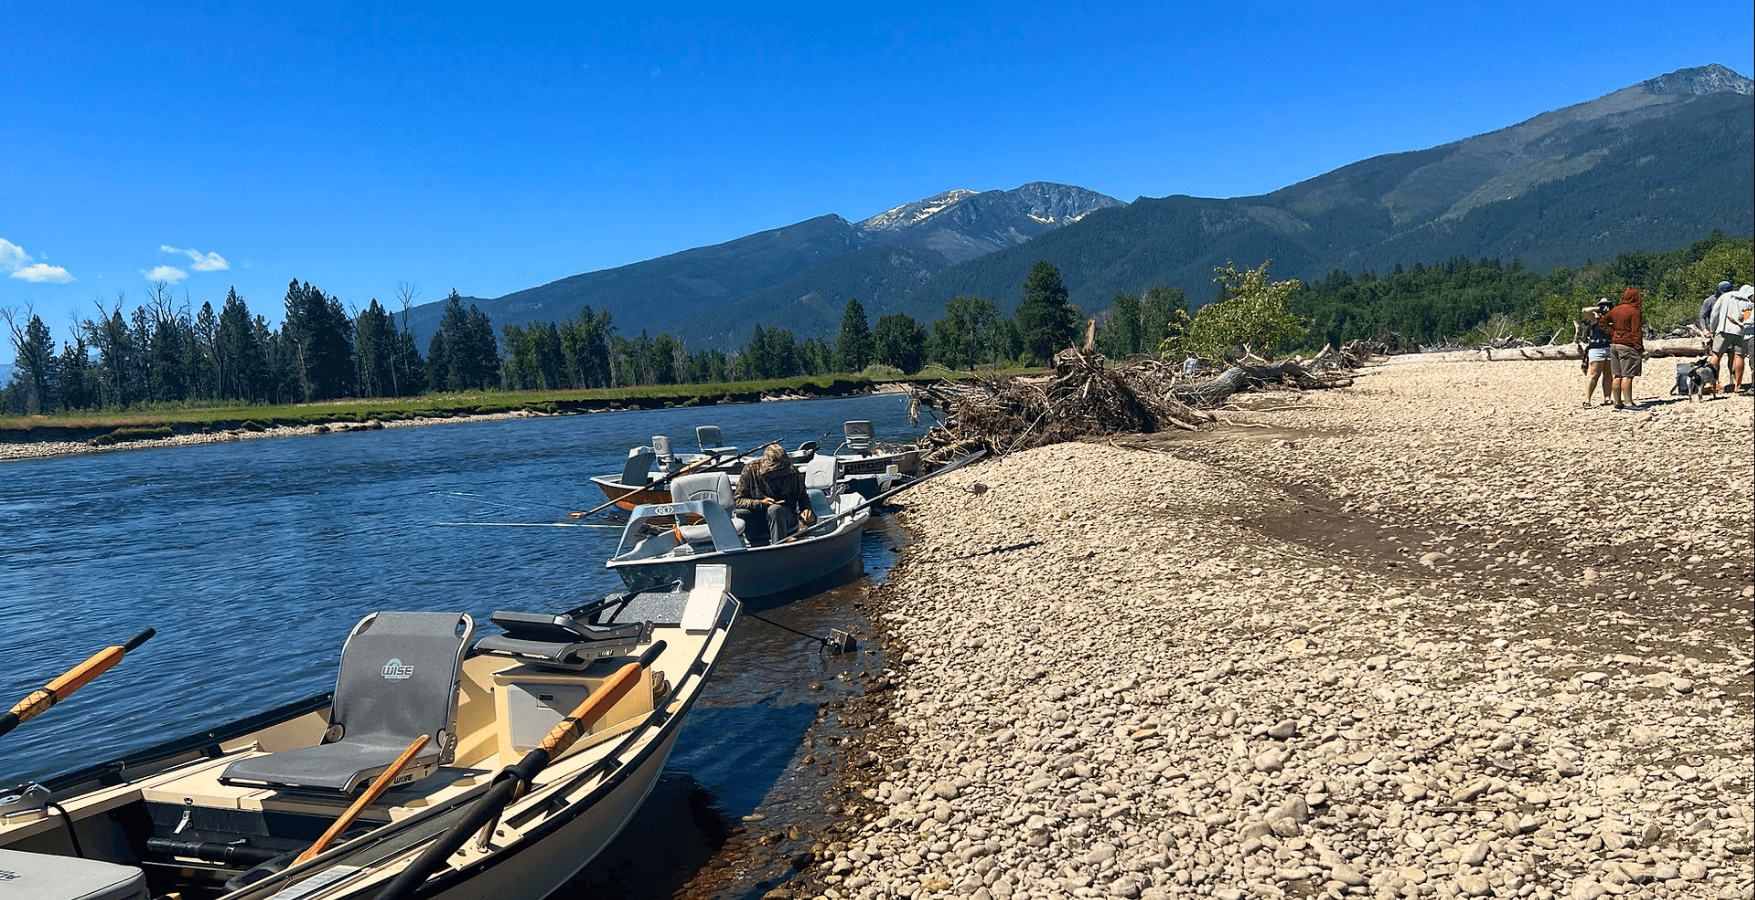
1707 323
1595 360
1626 327
1729 340
773 487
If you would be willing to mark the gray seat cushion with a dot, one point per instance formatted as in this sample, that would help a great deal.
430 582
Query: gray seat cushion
398 680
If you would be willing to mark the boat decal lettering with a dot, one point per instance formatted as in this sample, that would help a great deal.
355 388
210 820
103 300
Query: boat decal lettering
394 670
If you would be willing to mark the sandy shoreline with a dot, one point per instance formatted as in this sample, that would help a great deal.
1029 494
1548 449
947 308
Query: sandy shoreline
1445 633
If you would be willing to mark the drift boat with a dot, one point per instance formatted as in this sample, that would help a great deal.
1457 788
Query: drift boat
655 551
470 776
645 476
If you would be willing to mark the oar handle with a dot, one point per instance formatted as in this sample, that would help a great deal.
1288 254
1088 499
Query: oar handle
378 787
72 680
514 779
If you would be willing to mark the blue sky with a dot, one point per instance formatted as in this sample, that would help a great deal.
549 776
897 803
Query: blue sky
491 148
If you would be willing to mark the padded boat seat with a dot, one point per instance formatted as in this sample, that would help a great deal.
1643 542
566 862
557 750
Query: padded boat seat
398 680
711 441
713 486
560 642
861 436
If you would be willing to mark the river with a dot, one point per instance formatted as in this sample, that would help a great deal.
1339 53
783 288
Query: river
254 559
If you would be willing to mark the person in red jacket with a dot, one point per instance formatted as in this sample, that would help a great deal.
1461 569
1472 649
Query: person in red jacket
1626 326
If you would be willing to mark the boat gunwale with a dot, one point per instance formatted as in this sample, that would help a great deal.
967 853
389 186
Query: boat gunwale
660 718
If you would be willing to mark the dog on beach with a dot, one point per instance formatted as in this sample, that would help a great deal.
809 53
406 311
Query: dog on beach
1697 380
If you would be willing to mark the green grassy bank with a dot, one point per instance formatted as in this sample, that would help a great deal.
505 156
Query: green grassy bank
153 423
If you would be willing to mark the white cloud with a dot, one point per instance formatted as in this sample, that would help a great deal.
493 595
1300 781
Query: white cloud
204 262
17 263
170 274
40 273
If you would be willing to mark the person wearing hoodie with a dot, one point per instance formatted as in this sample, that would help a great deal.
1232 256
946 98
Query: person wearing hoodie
1729 341
1626 326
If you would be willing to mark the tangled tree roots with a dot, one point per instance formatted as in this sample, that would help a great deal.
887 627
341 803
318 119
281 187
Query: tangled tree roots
1085 398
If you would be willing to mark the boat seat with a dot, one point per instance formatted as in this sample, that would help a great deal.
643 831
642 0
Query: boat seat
820 505
560 642
398 680
637 470
712 441
710 486
819 473
861 437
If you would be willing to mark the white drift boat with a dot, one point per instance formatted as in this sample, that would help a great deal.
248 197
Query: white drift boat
503 766
655 551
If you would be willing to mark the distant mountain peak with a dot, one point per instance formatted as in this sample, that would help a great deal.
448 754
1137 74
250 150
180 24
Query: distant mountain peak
912 213
1707 79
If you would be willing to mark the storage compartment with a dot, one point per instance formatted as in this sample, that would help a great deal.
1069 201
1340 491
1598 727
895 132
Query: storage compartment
34 876
531 701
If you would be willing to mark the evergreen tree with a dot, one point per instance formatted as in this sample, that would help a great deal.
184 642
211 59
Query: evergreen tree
319 333
35 362
853 346
375 341
74 385
463 355
1120 335
899 341
1046 321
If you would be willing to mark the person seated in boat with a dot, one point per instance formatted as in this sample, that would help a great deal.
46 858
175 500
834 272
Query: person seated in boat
773 487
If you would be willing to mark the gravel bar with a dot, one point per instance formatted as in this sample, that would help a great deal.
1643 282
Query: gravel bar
1446 633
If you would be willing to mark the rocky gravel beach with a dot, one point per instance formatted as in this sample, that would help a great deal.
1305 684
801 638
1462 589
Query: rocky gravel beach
1443 633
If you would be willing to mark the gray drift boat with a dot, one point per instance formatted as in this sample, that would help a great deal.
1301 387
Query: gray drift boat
438 768
655 551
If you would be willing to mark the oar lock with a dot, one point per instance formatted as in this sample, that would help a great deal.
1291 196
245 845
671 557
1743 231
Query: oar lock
26 800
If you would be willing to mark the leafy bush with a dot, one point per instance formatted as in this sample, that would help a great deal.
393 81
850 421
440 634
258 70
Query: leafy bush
1254 315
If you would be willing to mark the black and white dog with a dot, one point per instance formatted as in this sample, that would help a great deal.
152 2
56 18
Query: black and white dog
1696 380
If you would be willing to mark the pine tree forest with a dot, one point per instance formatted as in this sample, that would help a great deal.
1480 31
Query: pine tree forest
166 351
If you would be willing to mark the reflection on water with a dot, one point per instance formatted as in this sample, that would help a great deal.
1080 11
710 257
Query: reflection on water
254 559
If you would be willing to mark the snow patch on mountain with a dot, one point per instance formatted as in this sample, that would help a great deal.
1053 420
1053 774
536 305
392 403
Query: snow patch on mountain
913 213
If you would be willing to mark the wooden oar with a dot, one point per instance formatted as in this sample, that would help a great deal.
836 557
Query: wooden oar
885 496
514 780
378 787
715 456
77 677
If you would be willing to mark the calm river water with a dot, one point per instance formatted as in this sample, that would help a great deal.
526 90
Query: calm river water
254 559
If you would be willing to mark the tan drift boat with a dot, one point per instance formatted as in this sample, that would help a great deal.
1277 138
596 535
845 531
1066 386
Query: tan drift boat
438 768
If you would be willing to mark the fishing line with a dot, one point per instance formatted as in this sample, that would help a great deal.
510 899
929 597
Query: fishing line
837 643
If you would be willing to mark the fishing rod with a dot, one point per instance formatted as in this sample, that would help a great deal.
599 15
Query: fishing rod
816 526
61 688
528 525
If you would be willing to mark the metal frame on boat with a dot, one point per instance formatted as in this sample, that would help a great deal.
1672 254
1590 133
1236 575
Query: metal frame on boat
173 820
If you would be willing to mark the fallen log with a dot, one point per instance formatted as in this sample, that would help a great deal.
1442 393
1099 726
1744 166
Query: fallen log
1246 376
1690 346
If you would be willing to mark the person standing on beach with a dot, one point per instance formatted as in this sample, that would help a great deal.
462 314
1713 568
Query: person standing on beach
1595 361
1626 326
1728 341
1708 324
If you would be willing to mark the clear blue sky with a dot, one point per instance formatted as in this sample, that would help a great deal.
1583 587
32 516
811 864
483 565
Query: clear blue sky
491 147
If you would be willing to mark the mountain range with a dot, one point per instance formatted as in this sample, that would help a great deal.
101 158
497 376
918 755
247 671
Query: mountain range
1649 167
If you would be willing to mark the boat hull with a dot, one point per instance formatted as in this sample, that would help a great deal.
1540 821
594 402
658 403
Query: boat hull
627 497
554 859
757 571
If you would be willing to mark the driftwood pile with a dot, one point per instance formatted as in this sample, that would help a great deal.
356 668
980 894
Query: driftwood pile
1085 398
1388 343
